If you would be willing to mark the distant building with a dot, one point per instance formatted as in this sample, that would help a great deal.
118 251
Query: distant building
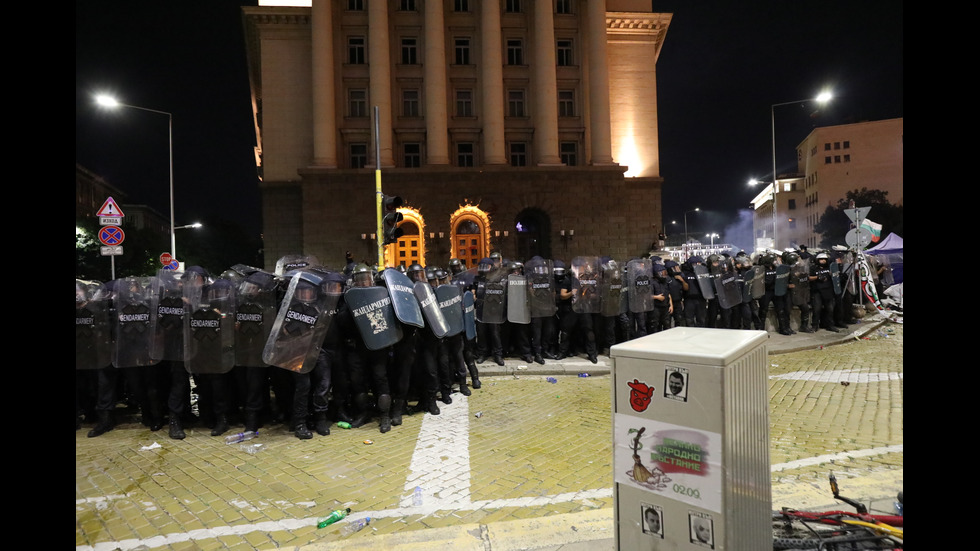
832 161
527 127
92 191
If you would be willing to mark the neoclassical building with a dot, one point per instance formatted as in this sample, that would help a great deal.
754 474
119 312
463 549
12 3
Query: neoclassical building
523 126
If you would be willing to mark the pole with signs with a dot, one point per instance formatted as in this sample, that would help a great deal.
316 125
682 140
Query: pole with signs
111 235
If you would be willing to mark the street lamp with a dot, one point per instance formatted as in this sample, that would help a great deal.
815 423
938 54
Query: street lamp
686 238
194 225
712 236
112 103
822 97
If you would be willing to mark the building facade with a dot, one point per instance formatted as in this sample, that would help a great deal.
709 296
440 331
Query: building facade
526 127
831 161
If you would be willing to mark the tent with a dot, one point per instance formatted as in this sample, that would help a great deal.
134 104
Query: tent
890 251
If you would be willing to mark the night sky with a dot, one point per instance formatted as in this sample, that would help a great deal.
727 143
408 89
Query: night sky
722 67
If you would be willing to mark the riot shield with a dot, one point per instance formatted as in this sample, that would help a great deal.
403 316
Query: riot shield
611 289
169 341
209 327
494 297
727 290
254 317
469 315
429 304
639 274
835 278
585 285
402 293
451 303
704 281
291 262
374 316
93 337
541 291
782 280
518 306
758 286
136 321
301 324
800 278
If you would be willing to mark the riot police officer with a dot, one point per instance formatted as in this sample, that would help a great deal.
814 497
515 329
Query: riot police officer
695 308
822 293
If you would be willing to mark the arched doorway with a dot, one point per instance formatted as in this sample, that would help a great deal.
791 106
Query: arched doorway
533 227
470 235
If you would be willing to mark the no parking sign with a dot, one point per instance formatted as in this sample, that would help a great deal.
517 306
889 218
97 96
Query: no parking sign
111 236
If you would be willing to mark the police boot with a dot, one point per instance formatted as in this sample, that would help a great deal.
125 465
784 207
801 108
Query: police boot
430 404
176 428
360 411
251 421
463 389
538 359
384 407
301 430
397 410
475 376
446 394
498 359
104 425
320 423
220 425
564 344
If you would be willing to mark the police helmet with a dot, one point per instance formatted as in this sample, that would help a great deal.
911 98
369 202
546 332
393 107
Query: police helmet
455 266
431 274
558 268
822 255
516 267
363 276
695 260
333 283
790 258
416 272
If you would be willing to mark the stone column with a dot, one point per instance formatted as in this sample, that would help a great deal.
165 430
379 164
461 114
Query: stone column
492 89
599 85
436 133
324 114
545 85
380 74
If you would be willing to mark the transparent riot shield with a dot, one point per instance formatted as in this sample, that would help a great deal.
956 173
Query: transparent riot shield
209 327
136 321
301 324
518 305
401 289
169 341
585 285
704 281
494 297
639 274
292 262
611 289
782 280
727 290
93 336
451 303
374 316
758 281
469 315
541 288
835 278
255 316
799 278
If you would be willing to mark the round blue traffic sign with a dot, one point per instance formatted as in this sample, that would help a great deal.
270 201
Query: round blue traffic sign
111 235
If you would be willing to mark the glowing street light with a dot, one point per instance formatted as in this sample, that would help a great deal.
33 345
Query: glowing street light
686 238
110 102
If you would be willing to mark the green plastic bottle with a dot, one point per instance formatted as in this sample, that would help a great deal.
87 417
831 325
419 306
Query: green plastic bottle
343 425
332 518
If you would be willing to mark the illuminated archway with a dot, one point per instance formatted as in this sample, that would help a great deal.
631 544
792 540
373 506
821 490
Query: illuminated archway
469 234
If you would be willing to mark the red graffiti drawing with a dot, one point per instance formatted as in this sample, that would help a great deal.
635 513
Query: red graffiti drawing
640 395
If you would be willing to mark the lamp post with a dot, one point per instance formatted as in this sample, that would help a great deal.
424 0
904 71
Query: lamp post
712 237
821 98
111 103
686 238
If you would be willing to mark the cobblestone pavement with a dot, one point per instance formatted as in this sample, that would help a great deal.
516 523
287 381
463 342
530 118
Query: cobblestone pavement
523 463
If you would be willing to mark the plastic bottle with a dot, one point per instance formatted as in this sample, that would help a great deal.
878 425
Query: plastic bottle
355 526
552 380
583 374
417 496
251 447
343 424
240 437
332 518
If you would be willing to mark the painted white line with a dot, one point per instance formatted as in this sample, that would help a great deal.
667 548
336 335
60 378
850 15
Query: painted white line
839 376
820 459
440 464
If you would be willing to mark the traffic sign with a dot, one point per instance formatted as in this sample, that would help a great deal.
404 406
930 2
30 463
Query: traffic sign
173 265
110 220
112 251
166 258
857 214
858 237
111 235
110 208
